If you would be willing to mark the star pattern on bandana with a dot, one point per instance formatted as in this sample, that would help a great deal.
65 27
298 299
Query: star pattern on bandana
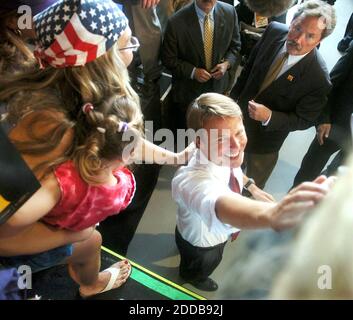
69 20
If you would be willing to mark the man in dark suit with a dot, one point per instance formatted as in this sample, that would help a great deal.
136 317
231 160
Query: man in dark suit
333 130
200 46
284 85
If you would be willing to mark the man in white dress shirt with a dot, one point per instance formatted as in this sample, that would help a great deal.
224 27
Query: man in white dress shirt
211 209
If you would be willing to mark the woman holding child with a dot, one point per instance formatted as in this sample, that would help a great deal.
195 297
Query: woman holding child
70 118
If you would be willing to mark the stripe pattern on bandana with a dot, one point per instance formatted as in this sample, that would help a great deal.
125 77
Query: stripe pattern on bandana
75 32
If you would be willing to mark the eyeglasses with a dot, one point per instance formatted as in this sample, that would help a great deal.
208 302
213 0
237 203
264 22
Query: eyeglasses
133 45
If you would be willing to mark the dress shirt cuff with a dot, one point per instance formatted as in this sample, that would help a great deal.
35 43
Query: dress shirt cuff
193 73
265 123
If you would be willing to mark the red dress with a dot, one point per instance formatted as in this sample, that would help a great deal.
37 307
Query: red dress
83 205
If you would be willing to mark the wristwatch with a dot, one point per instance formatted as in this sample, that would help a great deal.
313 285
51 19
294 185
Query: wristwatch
248 184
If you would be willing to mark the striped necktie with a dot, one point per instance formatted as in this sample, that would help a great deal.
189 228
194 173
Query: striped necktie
208 41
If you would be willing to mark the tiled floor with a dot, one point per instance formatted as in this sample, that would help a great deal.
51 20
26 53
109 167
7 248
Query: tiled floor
153 245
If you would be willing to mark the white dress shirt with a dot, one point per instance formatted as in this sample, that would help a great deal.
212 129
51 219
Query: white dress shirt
196 188
291 61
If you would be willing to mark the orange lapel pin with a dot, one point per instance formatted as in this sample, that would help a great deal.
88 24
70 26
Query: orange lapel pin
290 77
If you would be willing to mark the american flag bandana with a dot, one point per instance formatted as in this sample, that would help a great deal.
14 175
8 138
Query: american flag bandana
74 32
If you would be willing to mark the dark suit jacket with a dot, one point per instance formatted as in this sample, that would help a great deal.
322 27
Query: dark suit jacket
183 50
340 101
296 98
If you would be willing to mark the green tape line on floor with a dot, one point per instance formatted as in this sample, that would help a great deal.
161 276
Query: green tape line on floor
163 286
159 286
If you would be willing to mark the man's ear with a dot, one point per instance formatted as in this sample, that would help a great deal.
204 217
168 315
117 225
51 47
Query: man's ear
197 142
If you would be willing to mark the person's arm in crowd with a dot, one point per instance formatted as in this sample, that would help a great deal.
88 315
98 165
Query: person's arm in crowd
33 209
213 201
24 234
306 113
40 237
179 68
338 75
245 213
151 153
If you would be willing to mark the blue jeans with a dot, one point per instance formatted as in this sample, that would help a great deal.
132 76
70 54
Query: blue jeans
40 261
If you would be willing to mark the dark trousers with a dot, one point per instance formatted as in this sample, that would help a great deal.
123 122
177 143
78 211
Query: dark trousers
118 230
196 263
317 156
260 166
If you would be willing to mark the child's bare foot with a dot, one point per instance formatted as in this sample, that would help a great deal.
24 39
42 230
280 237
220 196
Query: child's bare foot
108 279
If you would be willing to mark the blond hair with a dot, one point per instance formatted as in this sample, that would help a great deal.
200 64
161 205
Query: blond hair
96 81
325 244
209 105
65 90
103 139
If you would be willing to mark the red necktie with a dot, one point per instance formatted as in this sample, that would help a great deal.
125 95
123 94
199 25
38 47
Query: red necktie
233 182
234 186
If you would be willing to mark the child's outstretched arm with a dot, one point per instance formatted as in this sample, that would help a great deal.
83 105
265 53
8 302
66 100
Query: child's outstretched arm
34 209
152 153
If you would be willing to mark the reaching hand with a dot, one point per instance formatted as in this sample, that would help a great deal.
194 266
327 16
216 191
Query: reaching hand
290 211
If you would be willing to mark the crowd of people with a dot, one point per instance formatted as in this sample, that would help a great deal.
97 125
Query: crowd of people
73 114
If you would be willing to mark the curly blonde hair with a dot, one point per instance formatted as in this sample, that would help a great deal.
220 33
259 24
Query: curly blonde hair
104 140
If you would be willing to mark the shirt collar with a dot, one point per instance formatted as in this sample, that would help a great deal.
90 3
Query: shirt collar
201 14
